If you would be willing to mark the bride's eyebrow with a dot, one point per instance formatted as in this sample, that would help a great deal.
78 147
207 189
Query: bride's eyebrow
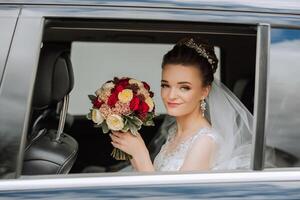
164 81
184 82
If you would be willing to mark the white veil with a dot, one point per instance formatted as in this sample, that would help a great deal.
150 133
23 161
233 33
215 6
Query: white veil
233 124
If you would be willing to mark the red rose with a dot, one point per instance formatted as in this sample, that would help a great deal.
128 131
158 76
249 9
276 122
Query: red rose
143 107
134 87
119 88
112 100
142 116
146 86
134 103
97 103
141 97
124 82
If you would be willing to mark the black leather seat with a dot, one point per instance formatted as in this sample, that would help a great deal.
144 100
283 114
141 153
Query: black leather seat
48 149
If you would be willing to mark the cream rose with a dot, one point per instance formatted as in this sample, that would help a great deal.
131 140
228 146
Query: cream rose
104 91
115 122
109 85
144 92
97 116
125 96
139 83
150 103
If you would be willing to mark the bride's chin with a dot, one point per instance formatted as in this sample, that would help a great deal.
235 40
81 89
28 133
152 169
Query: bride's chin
174 113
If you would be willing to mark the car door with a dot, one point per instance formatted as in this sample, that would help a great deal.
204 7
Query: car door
8 20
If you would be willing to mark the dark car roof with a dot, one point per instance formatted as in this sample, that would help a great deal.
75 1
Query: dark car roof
266 6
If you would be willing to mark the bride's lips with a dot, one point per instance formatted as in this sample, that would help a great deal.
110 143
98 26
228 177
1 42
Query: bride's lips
173 105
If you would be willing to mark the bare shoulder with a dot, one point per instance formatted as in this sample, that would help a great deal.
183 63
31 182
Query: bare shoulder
204 141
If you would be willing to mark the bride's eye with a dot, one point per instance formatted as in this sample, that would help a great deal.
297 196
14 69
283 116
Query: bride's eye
164 85
185 88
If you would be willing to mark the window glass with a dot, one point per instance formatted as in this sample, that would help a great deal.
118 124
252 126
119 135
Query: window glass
96 62
283 112
98 56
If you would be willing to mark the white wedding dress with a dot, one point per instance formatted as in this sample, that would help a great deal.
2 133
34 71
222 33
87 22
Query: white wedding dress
172 159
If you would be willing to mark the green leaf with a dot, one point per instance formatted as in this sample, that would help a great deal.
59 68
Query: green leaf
137 121
97 125
92 97
149 120
133 129
89 115
105 128
125 128
149 123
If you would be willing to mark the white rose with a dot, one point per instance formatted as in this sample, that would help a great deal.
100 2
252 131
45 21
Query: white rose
97 116
150 103
132 81
115 122
144 92
108 86
105 89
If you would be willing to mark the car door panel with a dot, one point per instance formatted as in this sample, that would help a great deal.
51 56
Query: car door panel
15 93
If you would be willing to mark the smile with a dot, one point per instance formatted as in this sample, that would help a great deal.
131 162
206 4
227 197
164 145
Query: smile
173 104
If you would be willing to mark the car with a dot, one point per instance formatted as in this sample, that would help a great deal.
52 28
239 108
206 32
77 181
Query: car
54 53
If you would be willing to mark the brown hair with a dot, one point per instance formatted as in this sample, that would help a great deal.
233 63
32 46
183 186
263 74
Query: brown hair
195 52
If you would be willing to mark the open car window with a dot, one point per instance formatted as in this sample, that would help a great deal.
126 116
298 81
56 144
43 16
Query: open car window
98 50
95 62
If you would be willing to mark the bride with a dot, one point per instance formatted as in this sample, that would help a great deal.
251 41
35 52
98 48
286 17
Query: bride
213 129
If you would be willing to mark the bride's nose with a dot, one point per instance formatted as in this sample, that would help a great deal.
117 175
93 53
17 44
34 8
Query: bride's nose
172 93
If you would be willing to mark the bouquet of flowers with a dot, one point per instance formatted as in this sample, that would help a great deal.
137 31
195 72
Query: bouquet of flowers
124 105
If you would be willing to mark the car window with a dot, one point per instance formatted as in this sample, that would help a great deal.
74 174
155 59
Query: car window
100 50
283 116
96 62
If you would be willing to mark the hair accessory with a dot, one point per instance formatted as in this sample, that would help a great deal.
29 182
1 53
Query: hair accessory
200 50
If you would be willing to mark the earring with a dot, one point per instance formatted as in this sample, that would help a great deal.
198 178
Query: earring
203 106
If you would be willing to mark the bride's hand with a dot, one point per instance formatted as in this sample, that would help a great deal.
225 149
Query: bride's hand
133 145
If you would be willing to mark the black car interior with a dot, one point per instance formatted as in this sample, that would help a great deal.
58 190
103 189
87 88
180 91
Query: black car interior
237 43
48 149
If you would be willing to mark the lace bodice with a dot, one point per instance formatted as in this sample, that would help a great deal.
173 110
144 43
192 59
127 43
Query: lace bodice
167 160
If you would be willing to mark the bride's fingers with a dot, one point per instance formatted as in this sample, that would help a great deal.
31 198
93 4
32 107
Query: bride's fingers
115 138
117 145
117 134
138 135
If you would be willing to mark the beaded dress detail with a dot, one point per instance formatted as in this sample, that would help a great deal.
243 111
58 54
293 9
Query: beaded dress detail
172 160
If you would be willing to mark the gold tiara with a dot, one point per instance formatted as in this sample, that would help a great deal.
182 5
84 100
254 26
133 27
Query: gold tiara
200 50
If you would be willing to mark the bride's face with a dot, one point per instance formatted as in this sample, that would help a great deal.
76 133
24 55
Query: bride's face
182 89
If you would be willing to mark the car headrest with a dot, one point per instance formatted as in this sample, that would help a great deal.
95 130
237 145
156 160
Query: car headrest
54 78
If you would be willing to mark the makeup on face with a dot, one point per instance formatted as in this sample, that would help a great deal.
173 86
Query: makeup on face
180 89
